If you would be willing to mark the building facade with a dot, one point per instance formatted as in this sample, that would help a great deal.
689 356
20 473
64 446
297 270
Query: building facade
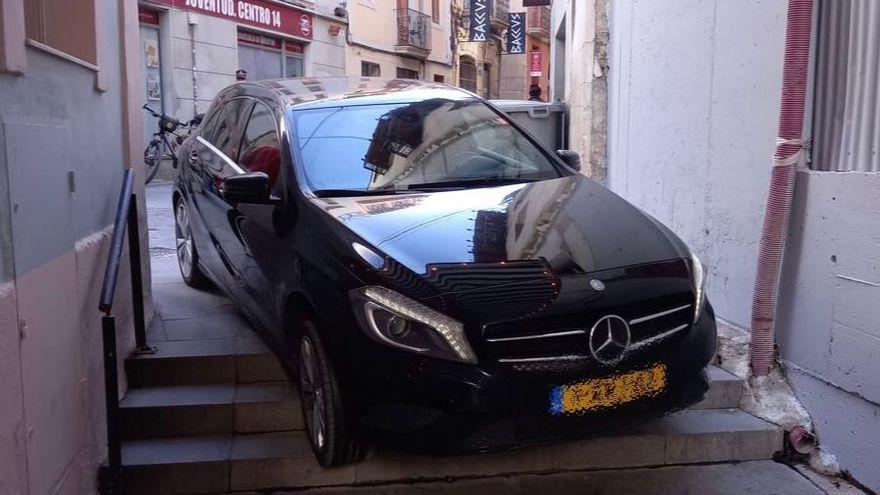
191 49
409 39
520 72
693 106
478 63
69 127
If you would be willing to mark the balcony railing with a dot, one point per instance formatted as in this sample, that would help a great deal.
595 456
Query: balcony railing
538 22
499 11
413 31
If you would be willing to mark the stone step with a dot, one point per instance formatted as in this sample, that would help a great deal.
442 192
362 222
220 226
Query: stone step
283 460
205 361
210 409
187 410
731 478
725 390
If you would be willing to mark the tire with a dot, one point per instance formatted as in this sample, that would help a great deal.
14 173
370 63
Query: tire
152 160
187 256
328 428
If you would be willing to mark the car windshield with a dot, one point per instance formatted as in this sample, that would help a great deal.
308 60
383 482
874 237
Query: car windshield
430 144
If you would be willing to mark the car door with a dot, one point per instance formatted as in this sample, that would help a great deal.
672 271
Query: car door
194 181
260 228
214 156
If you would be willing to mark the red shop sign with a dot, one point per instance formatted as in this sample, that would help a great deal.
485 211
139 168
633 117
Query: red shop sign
259 40
148 16
293 47
536 63
258 13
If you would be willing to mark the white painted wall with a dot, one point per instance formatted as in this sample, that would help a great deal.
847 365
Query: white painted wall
693 109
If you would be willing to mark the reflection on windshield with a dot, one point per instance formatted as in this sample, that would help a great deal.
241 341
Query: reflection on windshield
416 145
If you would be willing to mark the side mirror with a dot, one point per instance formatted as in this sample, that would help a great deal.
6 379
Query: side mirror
247 188
571 158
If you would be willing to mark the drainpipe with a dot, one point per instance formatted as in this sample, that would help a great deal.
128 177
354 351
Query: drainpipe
191 21
789 149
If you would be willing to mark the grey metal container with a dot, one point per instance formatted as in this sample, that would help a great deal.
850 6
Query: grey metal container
546 121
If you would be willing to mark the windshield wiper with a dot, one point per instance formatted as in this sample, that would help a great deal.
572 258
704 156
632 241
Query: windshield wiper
471 181
331 193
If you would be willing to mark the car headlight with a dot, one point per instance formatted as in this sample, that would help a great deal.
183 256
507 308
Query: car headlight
698 278
396 320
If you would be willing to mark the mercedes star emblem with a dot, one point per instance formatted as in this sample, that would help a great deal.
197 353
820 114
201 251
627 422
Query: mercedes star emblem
609 339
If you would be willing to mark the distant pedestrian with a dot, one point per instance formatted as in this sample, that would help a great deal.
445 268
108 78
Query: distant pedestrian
241 75
535 93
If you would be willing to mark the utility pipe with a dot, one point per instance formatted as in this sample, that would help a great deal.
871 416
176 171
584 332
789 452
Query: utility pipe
789 149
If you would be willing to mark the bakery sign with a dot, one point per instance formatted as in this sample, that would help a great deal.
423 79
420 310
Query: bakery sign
257 13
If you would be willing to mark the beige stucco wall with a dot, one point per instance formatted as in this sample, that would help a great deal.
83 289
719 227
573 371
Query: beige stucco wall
482 53
373 36
52 417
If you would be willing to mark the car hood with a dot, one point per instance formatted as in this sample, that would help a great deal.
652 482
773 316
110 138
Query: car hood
504 234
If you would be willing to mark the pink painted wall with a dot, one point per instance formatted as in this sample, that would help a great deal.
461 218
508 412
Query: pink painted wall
52 435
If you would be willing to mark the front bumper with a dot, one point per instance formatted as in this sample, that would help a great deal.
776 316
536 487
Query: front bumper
415 402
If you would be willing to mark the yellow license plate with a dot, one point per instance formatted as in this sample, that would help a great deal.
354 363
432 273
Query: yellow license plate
601 393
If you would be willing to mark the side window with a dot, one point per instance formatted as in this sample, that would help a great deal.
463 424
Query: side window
225 134
261 148
210 122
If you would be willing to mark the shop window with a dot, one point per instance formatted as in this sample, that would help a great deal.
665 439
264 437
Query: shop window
467 77
370 69
407 73
65 25
293 59
265 57
260 149
439 78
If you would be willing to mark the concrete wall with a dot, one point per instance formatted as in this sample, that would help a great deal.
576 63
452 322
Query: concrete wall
692 122
693 108
63 148
578 67
829 316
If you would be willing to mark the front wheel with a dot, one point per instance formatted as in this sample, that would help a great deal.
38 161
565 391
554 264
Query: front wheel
155 154
187 255
329 430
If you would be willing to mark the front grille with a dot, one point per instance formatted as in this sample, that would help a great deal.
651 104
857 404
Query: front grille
549 344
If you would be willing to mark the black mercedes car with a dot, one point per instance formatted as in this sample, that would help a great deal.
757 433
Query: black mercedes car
428 272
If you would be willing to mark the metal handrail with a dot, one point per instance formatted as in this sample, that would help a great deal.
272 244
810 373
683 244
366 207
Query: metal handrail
111 273
126 219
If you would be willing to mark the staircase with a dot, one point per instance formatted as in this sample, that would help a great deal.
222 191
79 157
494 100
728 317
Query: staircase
216 415
212 412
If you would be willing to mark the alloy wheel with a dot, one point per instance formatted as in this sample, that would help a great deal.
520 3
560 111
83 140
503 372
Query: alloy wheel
183 237
313 396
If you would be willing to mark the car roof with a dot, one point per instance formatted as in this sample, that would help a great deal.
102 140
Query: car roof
321 92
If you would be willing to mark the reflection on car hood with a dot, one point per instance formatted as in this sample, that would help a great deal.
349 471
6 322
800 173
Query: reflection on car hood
570 225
